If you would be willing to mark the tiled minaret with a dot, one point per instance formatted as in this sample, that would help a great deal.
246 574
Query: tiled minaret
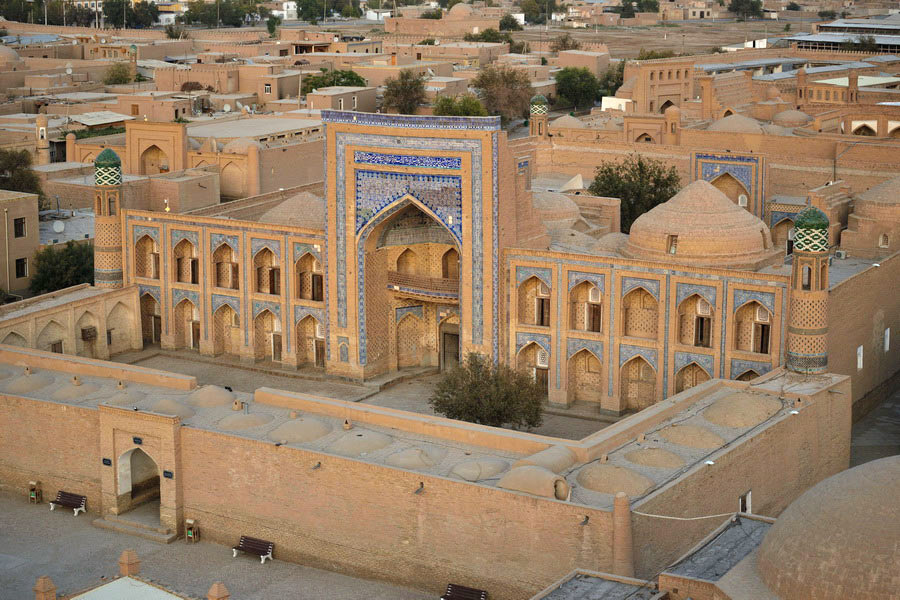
808 325
538 116
107 220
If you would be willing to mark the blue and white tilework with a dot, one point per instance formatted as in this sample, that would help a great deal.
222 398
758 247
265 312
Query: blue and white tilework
575 345
704 361
525 338
407 160
627 352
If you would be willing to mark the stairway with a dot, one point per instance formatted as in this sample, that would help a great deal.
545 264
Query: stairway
140 522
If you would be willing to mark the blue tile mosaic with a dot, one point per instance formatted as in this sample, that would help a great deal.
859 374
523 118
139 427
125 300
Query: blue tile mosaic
578 277
219 300
179 294
257 244
651 285
301 312
142 230
627 352
343 348
739 367
401 312
686 290
407 160
704 361
261 305
777 216
411 121
742 297
524 273
217 239
150 289
180 234
525 338
575 345
300 249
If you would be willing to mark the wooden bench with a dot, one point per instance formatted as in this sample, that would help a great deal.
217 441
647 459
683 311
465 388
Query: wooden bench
261 548
461 592
69 500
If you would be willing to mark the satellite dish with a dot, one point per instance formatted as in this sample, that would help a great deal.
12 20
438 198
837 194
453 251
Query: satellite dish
59 226
226 108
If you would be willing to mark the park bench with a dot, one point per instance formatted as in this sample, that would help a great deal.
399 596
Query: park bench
69 500
260 548
461 592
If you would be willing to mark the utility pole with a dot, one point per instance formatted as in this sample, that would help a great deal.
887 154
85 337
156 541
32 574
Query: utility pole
45 12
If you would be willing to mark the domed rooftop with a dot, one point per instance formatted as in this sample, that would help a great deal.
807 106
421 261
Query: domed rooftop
240 146
460 11
883 193
736 124
839 539
700 226
773 93
672 111
567 121
7 54
811 218
791 118
303 210
107 158
536 99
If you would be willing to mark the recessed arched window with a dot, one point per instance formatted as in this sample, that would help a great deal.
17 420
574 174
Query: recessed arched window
805 276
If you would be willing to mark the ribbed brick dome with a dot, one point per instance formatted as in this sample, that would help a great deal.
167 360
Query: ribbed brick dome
711 230
838 540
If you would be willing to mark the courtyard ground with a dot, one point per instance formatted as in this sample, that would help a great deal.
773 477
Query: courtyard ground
76 555
877 434
412 395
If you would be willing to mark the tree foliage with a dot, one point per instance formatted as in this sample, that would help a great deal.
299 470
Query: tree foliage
654 54
405 92
117 74
428 42
564 42
272 24
175 32
331 78
479 391
509 23
466 105
16 173
578 86
55 269
793 6
629 8
437 13
536 11
611 80
862 43
745 9
827 14
191 86
139 15
640 183
504 91
493 36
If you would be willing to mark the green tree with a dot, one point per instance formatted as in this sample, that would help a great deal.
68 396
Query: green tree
117 74
437 13
480 391
329 79
640 183
272 24
654 54
534 12
787 26
16 173
427 42
826 15
564 42
55 269
578 86
141 14
504 91
745 9
793 6
405 92
191 86
175 32
509 23
611 80
466 105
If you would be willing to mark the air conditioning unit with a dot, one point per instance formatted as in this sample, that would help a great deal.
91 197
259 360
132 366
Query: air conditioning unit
320 331
703 308
544 289
594 295
762 315
742 200
543 359
840 254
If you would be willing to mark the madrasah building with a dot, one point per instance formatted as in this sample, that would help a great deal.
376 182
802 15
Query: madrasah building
435 237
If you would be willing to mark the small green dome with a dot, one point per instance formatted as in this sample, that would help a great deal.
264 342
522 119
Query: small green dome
539 99
811 218
108 158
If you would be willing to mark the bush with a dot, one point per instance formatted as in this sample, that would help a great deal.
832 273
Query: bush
509 23
564 42
175 32
330 78
479 391
191 86
118 74
793 6
405 92
578 86
55 269
463 106
16 173
827 14
640 183
504 91
437 13
272 24
427 42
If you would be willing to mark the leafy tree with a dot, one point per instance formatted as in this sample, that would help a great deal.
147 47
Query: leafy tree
564 42
331 78
55 269
611 80
16 173
578 86
437 13
479 391
141 14
504 91
405 92
272 24
793 6
654 54
117 74
536 12
175 32
191 86
509 23
863 43
640 183
787 26
745 9
827 14
488 35
466 105
427 42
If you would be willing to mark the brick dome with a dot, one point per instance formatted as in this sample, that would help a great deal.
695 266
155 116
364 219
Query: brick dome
791 118
736 124
839 539
701 227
